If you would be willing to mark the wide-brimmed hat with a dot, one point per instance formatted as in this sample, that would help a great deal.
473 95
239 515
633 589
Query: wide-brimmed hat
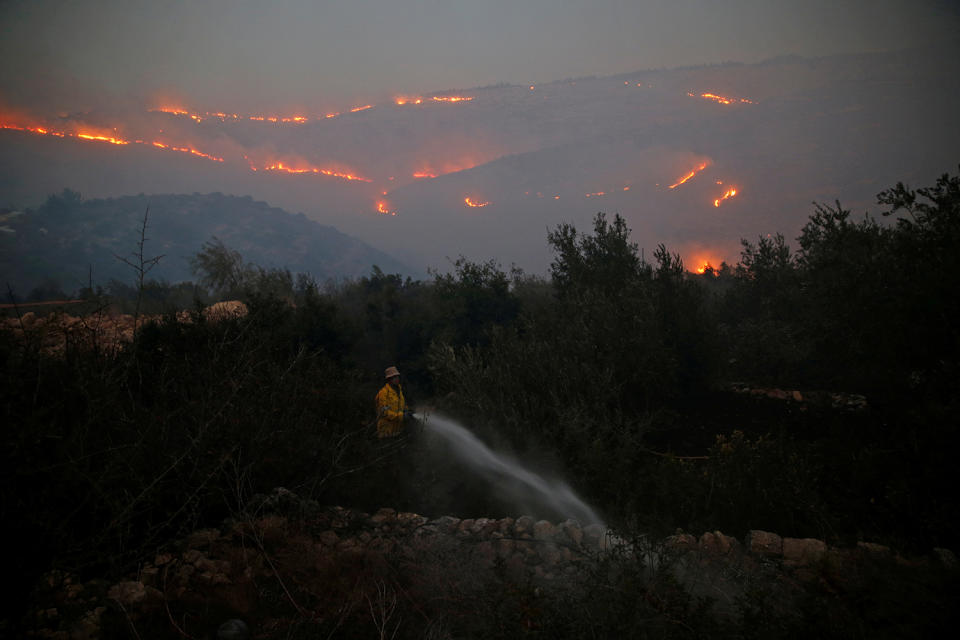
391 372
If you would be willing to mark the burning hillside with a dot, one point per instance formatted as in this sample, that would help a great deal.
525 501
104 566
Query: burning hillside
666 149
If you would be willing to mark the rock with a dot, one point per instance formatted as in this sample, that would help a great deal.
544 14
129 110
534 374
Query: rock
505 526
549 553
411 519
544 530
571 529
465 527
128 593
192 556
486 552
505 547
28 319
328 538
682 542
88 627
446 524
483 527
225 310
383 515
764 543
803 551
524 526
593 535
162 559
946 557
717 543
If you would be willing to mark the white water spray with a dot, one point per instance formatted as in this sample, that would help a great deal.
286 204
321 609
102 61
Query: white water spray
556 495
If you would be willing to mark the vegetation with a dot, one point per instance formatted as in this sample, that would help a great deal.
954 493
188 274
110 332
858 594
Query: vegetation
617 368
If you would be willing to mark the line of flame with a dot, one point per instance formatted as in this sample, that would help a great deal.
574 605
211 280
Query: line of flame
685 178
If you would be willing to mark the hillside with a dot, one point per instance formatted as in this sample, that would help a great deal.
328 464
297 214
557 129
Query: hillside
780 133
68 237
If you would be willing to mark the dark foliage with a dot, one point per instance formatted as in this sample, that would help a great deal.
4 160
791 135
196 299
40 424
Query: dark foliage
615 368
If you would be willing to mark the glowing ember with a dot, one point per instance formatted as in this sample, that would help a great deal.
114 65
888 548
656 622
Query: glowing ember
596 193
363 108
332 115
281 168
451 99
172 110
685 178
401 100
384 208
111 140
424 174
471 203
729 193
721 99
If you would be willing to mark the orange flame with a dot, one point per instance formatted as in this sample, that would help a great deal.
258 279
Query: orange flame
451 98
686 177
721 99
384 208
596 193
280 167
401 100
99 137
363 108
705 266
470 203
729 193
424 174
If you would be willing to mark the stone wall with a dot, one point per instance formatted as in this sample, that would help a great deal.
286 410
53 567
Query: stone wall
333 550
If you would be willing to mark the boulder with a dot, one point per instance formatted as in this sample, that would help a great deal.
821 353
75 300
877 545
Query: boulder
803 551
544 530
764 543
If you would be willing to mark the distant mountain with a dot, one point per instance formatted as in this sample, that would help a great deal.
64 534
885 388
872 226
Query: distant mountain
67 237
487 172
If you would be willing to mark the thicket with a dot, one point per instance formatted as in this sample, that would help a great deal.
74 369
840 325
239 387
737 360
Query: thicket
614 367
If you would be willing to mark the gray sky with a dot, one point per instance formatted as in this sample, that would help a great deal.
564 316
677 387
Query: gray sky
254 55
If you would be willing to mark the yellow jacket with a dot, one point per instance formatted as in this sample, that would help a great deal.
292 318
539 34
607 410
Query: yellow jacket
390 408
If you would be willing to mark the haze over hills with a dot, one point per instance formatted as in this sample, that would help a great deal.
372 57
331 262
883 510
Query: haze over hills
695 158
69 239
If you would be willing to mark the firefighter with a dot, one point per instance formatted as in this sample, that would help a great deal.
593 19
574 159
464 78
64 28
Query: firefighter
391 407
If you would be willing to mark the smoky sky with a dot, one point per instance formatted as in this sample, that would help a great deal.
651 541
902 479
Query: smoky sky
301 54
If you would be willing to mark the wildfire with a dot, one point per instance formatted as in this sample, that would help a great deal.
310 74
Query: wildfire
424 174
596 193
363 108
332 115
384 208
94 136
401 100
688 176
705 266
721 99
281 168
189 150
729 193
451 98
111 140
471 203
